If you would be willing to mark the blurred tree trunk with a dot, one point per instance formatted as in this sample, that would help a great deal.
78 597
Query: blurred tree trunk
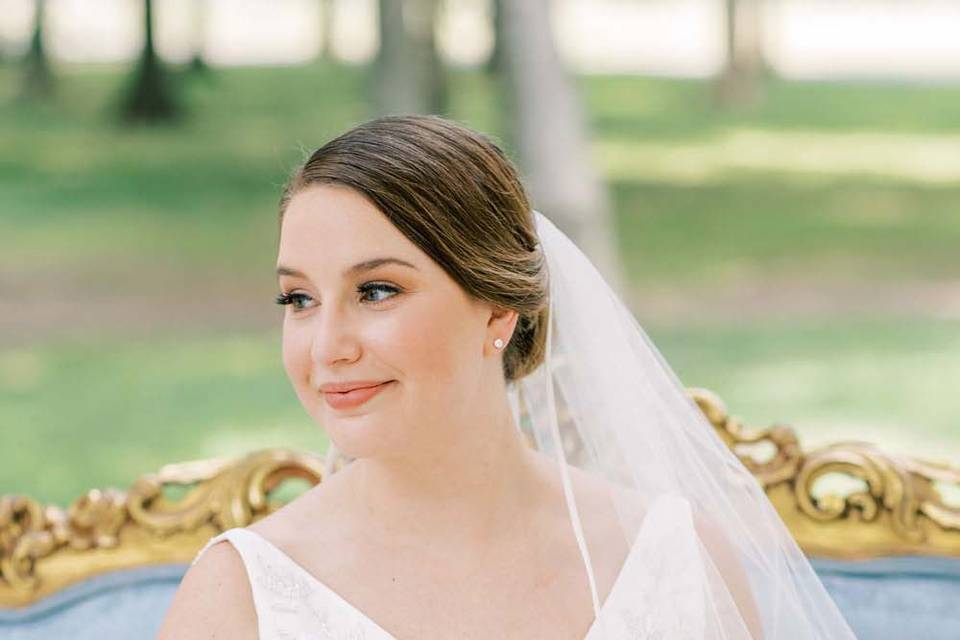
550 134
741 81
494 64
37 78
150 98
199 18
328 9
408 73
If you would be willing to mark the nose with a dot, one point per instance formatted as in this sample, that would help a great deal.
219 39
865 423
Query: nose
334 338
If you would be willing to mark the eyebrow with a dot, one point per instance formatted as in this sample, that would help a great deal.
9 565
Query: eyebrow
360 267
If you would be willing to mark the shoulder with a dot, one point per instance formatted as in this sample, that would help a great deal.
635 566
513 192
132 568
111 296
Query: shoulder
726 558
217 582
315 517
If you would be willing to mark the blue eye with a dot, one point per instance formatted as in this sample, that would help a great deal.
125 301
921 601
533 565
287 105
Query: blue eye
368 287
296 299
291 299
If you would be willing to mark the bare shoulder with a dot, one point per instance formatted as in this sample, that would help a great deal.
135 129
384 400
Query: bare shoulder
298 521
216 583
725 557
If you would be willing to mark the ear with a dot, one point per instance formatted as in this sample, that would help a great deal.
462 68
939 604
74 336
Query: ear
501 325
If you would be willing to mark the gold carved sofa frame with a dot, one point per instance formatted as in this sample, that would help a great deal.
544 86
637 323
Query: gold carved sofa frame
897 507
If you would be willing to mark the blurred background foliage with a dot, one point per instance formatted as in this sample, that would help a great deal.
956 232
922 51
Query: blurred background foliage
795 252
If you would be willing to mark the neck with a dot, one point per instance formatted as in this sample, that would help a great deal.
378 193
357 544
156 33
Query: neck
469 488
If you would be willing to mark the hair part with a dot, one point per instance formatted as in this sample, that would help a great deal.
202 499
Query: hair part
455 194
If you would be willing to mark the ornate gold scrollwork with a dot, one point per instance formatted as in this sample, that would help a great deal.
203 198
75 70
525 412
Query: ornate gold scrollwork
220 494
238 492
901 486
900 509
787 456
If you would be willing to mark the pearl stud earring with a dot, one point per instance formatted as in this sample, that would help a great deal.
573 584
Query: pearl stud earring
498 343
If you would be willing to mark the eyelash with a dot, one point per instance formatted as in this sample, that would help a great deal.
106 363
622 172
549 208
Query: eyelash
289 298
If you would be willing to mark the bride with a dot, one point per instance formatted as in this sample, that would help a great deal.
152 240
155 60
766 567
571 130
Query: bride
524 463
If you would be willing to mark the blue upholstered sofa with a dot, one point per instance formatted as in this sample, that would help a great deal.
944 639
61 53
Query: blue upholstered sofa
888 553
893 598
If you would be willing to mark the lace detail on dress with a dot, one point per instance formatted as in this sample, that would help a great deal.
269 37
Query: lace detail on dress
299 608
290 603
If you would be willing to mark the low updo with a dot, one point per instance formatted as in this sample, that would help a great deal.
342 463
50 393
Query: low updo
454 193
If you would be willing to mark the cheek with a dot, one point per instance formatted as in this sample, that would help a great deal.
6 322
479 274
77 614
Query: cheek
296 362
432 344
439 358
424 345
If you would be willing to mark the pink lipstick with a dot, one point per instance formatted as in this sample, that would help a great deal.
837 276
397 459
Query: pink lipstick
348 395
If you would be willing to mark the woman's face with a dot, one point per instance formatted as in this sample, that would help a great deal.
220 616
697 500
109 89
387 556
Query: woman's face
368 306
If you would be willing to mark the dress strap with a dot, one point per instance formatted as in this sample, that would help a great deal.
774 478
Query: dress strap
275 586
290 603
249 545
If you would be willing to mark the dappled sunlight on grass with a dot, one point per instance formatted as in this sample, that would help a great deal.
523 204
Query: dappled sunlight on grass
644 108
933 159
891 382
141 404
236 438
771 226
21 370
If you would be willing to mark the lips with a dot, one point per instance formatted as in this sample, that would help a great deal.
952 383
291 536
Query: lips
343 387
353 394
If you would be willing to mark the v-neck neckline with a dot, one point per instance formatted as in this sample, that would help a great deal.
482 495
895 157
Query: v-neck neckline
389 636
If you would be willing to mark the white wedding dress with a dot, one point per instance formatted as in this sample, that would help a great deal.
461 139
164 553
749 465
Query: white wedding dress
291 603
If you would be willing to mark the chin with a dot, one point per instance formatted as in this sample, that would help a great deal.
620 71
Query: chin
360 436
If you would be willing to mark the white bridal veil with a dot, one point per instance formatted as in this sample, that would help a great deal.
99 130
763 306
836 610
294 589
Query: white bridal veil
605 403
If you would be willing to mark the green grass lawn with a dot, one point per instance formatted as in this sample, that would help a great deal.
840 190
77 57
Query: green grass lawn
76 188
89 206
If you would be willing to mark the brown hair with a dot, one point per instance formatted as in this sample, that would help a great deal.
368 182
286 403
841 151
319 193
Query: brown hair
454 193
